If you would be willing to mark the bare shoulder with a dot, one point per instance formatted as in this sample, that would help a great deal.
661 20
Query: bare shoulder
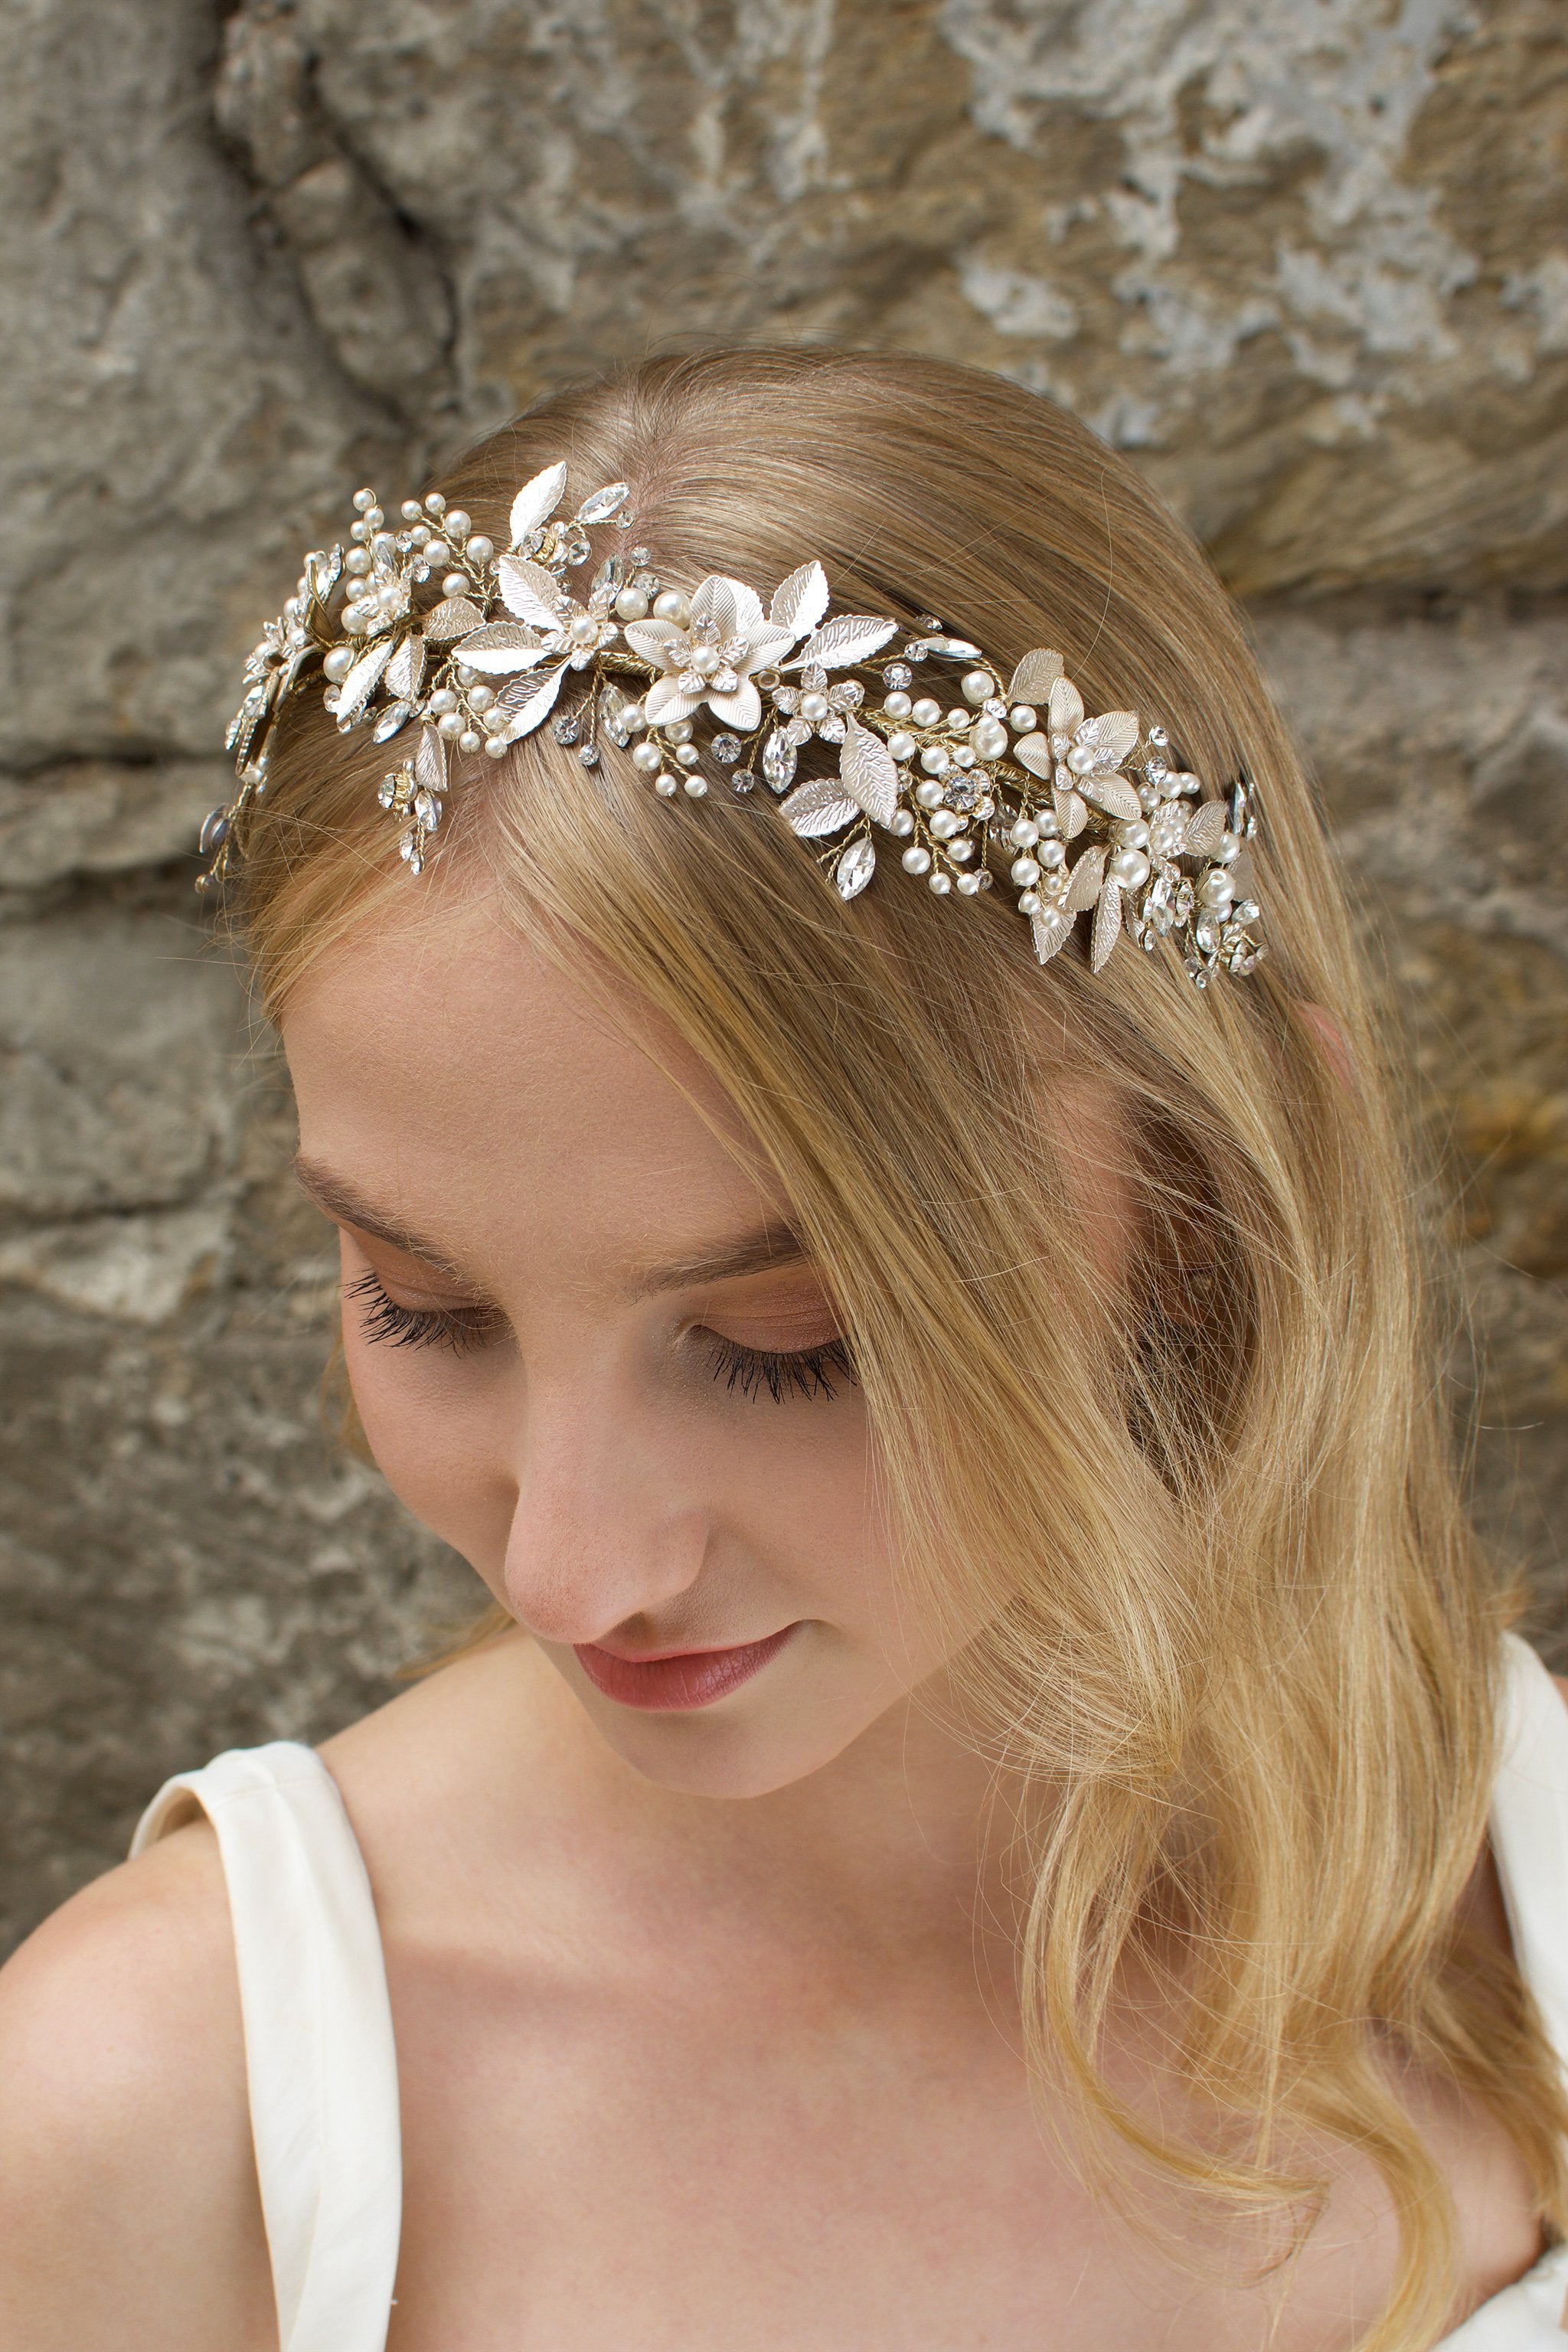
129 2212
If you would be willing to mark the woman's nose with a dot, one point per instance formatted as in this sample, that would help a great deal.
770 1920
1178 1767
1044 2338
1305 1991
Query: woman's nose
600 1532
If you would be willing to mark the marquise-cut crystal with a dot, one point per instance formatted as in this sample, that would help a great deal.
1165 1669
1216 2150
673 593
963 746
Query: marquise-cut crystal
855 868
778 761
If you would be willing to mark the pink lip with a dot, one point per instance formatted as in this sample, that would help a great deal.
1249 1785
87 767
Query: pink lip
680 1678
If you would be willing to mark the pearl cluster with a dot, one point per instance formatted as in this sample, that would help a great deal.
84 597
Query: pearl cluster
981 782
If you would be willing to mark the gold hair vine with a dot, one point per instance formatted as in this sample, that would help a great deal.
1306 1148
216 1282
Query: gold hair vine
425 628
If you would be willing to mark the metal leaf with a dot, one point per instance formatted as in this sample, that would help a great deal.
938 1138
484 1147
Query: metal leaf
1107 928
454 617
855 868
528 590
600 506
1051 927
1071 814
1036 674
500 649
946 648
242 727
867 772
1111 736
1087 877
430 762
535 500
360 683
1034 752
852 637
322 572
1065 706
407 667
800 601
1114 794
533 712
1204 827
821 806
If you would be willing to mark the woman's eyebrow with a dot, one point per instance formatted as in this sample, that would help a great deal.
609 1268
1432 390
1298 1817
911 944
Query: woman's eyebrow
338 1199
770 1247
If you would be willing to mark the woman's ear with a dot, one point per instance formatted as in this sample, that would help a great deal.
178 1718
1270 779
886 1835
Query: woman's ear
1331 1037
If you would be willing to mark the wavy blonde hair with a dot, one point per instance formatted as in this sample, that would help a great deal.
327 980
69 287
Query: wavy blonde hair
1238 1627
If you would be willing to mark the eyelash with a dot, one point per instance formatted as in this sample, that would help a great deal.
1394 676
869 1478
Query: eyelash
807 1372
382 1319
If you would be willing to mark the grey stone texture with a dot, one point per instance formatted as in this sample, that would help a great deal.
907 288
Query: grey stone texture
1308 266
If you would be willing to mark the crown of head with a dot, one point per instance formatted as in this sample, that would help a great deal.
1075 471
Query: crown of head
448 649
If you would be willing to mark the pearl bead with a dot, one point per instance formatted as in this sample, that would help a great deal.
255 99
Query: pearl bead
696 787
1080 759
975 686
1230 848
963 757
929 795
1130 868
1029 904
679 730
814 707
1133 832
438 552
960 852
649 758
916 860
449 725
411 510
480 549
434 503
458 524
671 606
1052 854
631 604
666 786
497 747
442 700
455 584
898 705
1214 893
935 760
469 742
968 885
945 824
356 561
1025 834
688 754
1023 871
903 825
989 738
339 662
939 884
363 498
1022 719
926 713
481 697
633 718
584 630
902 748
959 720
374 518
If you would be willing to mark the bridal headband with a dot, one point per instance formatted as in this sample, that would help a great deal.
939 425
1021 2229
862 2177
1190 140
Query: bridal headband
441 646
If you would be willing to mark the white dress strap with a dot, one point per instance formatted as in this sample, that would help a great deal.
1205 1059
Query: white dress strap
319 2053
1529 1847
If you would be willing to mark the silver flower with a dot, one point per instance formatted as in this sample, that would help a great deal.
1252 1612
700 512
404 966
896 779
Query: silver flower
712 658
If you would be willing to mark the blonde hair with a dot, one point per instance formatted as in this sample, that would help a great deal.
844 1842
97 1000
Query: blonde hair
1238 1625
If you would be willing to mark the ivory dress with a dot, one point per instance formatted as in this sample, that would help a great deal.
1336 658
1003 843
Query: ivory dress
322 2068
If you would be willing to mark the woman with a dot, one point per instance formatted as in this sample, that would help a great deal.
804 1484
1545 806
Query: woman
967 1822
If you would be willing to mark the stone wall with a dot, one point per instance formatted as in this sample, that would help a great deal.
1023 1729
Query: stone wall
1304 259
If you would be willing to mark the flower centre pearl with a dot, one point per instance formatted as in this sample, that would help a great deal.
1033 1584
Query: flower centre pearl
705 660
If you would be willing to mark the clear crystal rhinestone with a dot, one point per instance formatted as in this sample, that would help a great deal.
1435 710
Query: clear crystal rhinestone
646 581
577 552
850 695
778 761
744 780
637 554
589 755
930 621
565 729
726 750
897 677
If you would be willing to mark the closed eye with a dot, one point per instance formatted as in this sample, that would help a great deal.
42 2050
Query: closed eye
805 1371
457 1328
